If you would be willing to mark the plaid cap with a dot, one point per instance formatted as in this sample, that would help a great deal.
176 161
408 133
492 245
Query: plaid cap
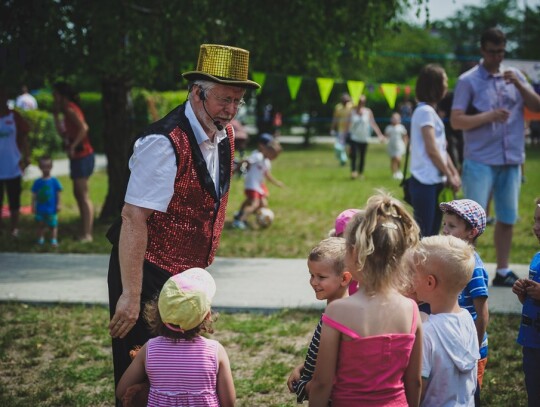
468 210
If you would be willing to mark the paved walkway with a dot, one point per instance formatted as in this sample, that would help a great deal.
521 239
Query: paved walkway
243 284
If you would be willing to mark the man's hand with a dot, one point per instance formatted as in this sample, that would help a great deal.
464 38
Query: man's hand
125 315
500 115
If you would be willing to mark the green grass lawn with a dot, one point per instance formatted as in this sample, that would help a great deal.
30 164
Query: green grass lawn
317 189
61 356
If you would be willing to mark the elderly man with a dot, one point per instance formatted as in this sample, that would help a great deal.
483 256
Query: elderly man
177 194
488 107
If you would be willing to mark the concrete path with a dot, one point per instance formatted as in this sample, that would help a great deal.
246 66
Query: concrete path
243 284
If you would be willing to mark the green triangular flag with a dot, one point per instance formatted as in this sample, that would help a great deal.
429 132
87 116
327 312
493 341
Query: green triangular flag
325 87
294 83
356 88
259 77
390 93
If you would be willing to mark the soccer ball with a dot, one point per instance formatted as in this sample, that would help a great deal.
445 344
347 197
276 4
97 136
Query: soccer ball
265 217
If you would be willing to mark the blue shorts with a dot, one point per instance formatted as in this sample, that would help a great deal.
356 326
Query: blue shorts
50 220
82 167
479 180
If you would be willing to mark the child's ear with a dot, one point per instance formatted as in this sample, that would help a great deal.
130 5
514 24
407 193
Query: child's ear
431 282
473 233
346 278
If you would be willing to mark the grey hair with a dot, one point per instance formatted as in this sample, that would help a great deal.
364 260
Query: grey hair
202 84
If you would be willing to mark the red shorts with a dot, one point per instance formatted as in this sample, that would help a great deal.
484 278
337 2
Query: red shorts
252 194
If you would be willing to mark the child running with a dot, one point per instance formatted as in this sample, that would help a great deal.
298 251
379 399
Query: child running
466 220
46 202
351 370
528 293
258 170
183 367
396 134
329 280
444 266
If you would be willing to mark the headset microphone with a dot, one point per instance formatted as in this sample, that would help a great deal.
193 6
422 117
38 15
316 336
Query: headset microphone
202 96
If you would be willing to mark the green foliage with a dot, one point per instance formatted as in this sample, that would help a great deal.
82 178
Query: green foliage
43 138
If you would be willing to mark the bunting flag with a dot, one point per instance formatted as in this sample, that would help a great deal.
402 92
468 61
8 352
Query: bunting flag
356 88
325 87
389 91
259 77
294 83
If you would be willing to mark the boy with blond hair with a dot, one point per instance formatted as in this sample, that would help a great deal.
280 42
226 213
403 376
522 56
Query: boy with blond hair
466 219
444 266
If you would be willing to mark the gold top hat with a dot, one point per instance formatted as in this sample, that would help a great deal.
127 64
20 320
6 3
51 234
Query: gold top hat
223 64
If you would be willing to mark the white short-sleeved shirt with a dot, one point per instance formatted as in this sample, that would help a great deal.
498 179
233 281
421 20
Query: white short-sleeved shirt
258 168
153 166
422 168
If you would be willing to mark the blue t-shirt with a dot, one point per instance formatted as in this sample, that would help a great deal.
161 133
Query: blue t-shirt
46 191
477 287
529 330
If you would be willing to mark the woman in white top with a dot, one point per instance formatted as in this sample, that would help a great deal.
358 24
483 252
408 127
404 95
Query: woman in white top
359 126
431 167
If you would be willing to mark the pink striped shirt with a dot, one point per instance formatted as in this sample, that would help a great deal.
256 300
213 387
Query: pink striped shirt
182 373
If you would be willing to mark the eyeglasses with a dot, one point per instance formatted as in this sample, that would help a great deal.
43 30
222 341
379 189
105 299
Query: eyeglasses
224 102
495 51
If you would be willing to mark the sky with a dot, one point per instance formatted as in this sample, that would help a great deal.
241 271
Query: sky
441 9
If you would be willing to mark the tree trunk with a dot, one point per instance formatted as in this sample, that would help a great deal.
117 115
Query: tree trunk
117 133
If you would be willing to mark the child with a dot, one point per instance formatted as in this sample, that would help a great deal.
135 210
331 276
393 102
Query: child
396 133
444 266
351 370
466 220
258 169
46 201
528 293
183 367
329 280
339 228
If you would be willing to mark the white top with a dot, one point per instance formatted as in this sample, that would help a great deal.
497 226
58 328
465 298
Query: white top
449 360
422 168
26 102
258 167
10 156
360 127
395 134
153 166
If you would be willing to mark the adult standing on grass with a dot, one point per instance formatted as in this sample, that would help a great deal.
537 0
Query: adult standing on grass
14 158
431 166
177 193
338 128
488 107
74 131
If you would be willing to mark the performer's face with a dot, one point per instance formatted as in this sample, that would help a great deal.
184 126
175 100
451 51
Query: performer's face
221 102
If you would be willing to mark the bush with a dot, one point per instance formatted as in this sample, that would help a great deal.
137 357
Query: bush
43 138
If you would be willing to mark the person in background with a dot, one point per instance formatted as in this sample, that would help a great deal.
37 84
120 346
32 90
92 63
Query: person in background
338 128
72 127
488 106
46 201
431 167
396 134
14 158
360 124
329 280
25 101
177 194
528 293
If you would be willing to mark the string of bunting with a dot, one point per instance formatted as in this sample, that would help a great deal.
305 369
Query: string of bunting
325 86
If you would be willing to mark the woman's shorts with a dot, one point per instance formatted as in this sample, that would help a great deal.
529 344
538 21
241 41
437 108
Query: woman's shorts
82 167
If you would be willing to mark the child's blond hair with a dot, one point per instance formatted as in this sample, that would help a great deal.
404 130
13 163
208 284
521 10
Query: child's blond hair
449 259
331 249
378 240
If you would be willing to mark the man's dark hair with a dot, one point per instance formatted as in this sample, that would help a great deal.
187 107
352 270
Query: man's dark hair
493 35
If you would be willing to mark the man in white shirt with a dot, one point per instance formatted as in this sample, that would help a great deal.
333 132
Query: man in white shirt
176 195
26 101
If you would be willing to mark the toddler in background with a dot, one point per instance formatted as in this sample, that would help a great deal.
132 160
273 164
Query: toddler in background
339 228
528 293
396 134
183 367
444 266
351 370
46 201
329 280
258 170
466 220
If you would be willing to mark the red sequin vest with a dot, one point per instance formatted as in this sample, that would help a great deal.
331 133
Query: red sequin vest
188 234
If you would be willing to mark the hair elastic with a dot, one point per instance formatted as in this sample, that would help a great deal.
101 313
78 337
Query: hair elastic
389 225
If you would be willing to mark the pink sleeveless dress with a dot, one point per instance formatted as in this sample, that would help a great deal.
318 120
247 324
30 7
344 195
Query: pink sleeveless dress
370 370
